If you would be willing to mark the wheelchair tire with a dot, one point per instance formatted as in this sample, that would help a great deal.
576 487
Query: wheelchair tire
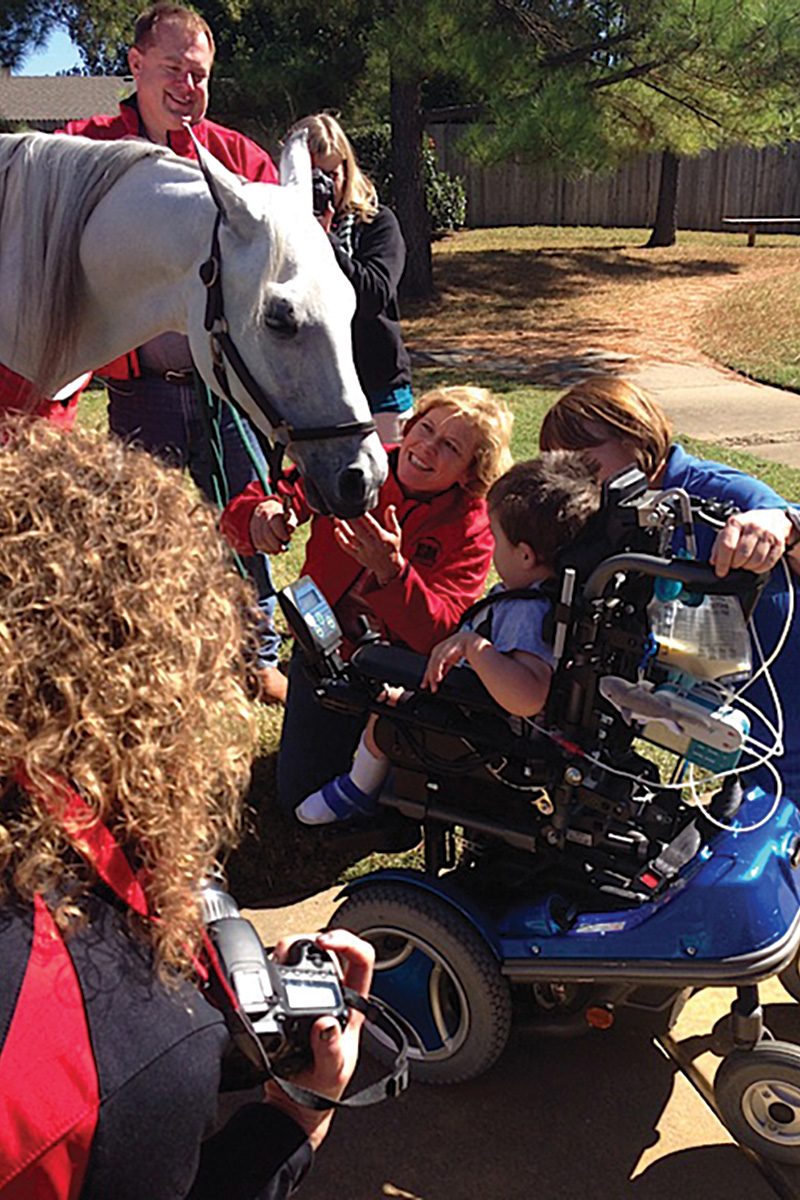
790 977
439 974
757 1093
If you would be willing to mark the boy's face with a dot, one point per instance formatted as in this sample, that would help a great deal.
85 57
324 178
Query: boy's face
517 565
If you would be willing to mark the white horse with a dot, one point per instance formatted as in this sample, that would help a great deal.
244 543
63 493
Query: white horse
101 246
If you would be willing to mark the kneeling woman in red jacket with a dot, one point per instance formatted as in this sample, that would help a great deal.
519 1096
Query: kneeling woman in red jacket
411 566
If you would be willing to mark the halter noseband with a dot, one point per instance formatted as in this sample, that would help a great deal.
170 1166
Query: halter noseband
222 348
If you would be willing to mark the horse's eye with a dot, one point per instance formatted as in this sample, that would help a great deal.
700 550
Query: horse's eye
281 318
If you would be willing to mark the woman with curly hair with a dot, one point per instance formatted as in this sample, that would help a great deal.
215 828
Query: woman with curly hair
126 738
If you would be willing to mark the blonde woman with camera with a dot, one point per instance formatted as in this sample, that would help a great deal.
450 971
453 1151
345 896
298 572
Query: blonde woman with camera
369 248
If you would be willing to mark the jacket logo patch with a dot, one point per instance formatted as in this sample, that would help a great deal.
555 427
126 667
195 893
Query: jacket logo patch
427 551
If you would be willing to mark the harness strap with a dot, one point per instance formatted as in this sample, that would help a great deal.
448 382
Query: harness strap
222 345
91 837
509 594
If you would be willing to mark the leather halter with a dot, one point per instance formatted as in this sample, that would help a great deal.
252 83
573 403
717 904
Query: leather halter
223 348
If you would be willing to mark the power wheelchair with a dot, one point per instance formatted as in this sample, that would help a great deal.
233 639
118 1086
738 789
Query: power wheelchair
566 873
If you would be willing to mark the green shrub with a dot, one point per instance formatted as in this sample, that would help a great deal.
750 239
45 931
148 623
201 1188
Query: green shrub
445 197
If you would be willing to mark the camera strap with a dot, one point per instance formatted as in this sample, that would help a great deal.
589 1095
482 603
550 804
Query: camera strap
376 1013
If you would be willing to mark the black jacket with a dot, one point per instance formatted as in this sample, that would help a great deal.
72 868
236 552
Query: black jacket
375 270
150 1058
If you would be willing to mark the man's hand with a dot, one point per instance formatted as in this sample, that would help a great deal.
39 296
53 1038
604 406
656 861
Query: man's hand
375 546
271 526
335 1049
753 541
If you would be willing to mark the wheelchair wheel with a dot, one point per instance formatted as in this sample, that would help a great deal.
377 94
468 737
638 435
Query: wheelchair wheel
790 977
758 1095
438 973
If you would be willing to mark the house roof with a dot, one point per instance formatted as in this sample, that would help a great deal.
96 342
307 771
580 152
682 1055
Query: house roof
39 99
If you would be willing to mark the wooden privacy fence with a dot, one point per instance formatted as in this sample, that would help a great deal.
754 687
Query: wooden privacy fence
719 183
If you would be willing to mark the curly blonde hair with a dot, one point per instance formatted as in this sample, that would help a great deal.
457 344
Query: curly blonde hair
121 671
326 137
492 421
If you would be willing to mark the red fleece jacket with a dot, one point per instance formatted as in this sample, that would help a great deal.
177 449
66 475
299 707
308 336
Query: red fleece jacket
446 542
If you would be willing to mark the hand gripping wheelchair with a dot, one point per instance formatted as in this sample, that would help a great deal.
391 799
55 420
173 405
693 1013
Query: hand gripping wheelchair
564 877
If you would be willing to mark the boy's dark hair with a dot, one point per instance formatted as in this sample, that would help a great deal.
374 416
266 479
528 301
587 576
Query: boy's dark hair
546 501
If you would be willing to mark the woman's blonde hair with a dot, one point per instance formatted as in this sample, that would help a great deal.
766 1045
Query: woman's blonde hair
492 421
121 629
617 409
326 136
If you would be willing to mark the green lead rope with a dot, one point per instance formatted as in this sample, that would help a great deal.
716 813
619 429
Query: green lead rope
210 406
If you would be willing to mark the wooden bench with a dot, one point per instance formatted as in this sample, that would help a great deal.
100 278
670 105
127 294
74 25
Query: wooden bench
751 224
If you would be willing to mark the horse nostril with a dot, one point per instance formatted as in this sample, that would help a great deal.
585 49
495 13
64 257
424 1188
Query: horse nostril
353 485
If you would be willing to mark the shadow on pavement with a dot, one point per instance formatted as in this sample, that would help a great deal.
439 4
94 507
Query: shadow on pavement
555 1118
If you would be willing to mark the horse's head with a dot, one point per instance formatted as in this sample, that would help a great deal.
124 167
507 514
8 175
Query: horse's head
288 307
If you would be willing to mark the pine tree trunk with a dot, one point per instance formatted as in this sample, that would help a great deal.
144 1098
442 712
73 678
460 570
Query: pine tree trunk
665 229
409 187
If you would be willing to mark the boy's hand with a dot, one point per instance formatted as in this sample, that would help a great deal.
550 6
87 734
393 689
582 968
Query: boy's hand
447 654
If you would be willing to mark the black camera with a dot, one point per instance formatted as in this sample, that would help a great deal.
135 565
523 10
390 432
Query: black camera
281 1000
322 190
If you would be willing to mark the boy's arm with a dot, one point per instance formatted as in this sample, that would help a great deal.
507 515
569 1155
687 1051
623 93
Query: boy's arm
518 681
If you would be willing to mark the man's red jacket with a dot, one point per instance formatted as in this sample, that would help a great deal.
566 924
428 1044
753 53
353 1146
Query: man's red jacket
235 151
446 542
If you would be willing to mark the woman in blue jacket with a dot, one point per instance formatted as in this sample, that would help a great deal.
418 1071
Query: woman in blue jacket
622 425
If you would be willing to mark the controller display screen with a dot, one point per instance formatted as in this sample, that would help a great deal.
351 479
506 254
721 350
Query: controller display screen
307 600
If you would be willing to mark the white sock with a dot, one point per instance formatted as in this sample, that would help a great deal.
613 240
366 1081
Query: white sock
368 770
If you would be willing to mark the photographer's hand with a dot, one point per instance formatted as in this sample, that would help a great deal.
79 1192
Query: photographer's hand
326 219
335 1049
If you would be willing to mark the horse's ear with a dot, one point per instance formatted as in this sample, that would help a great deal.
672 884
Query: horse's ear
296 167
226 191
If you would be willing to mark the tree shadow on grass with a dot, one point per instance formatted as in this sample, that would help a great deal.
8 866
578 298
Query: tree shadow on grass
559 274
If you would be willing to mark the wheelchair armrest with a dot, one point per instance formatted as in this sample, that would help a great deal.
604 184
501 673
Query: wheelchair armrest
405 668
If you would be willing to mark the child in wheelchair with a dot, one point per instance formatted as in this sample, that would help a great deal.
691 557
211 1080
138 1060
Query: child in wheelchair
536 510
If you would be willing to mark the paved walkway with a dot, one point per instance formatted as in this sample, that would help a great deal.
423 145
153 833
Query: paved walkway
717 405
701 399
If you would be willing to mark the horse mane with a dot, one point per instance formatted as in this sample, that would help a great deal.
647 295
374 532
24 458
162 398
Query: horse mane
60 181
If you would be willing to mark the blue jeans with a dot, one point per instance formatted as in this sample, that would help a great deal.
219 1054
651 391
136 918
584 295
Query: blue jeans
317 744
165 419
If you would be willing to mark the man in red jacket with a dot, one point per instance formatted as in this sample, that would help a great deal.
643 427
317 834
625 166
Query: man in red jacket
151 390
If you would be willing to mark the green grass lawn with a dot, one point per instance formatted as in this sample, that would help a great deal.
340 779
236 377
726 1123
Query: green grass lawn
755 329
